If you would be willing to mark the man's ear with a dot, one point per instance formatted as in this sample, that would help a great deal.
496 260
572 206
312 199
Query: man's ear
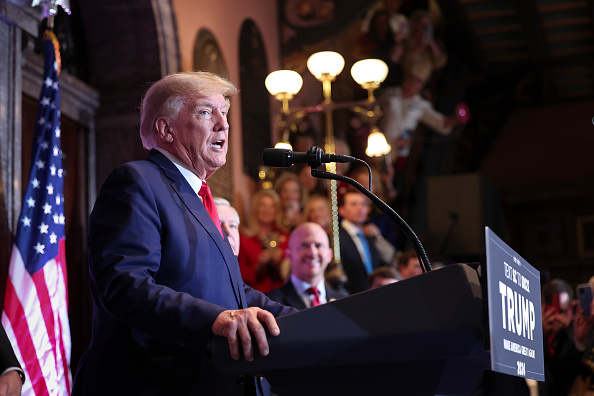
164 130
329 255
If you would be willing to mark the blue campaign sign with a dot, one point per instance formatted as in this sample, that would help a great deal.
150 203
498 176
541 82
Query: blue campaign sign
515 316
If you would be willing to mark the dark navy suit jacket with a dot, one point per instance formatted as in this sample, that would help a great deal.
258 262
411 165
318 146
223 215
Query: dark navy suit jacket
7 357
287 295
160 274
353 263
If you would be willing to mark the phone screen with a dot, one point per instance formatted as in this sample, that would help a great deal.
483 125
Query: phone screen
585 296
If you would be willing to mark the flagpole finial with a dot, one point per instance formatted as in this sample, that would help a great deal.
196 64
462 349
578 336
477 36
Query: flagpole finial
51 9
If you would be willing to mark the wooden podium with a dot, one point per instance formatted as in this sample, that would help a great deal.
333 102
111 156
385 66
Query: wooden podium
420 336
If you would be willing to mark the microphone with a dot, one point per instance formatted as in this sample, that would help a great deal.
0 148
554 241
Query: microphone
284 158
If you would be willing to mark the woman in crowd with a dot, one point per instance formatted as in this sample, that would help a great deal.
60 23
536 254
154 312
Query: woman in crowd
318 210
292 196
263 243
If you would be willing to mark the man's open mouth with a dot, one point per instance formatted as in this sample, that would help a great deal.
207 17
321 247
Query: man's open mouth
219 144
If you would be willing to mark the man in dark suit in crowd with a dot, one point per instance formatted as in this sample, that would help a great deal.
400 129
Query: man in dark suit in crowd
309 254
358 254
164 278
12 375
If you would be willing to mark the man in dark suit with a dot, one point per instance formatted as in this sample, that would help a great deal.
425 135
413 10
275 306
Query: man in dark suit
358 254
309 254
164 278
12 375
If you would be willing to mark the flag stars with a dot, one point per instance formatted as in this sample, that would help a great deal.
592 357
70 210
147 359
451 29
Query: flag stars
55 85
35 183
48 82
44 145
31 202
53 170
58 132
47 208
50 189
43 228
39 248
45 101
59 218
56 151
41 121
60 172
40 164
53 238
26 221
58 200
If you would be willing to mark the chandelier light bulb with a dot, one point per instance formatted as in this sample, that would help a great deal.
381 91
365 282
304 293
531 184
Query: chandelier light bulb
283 82
325 64
377 145
369 71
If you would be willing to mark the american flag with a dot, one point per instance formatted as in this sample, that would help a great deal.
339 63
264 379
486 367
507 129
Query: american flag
35 312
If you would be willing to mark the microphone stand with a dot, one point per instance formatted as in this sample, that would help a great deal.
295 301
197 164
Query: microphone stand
385 208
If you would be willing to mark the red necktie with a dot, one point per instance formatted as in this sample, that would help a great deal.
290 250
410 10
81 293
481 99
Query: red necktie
209 204
316 296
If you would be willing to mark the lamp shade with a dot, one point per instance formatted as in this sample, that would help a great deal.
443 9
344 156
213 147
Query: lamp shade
377 144
325 63
283 82
369 71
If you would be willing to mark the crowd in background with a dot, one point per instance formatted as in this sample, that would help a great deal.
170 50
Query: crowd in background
408 41
405 38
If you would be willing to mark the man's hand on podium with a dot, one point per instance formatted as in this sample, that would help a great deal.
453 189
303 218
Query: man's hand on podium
243 324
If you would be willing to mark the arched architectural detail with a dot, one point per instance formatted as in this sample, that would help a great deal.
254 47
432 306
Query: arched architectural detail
208 57
167 37
254 97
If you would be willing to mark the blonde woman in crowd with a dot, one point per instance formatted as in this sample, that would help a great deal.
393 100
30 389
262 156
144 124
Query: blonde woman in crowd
263 243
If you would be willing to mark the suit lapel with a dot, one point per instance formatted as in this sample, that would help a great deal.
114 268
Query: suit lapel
194 205
292 297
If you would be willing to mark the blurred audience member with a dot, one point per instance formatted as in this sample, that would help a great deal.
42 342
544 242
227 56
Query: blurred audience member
409 265
420 45
565 334
263 243
403 109
303 141
309 254
381 42
341 147
229 219
318 210
312 185
398 21
358 254
292 195
380 227
383 276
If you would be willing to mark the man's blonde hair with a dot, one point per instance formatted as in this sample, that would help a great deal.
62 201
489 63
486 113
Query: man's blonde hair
167 97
